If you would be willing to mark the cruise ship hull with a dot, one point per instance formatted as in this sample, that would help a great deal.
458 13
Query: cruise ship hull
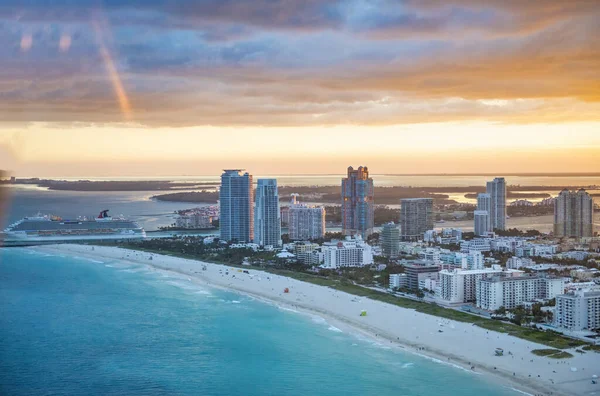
49 230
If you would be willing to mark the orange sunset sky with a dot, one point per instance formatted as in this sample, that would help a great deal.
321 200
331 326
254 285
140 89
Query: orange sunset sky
148 88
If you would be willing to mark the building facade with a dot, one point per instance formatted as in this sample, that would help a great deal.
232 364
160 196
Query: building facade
398 281
416 217
460 286
574 214
305 222
358 210
497 192
417 274
484 203
267 214
510 292
352 252
481 219
578 310
236 219
390 240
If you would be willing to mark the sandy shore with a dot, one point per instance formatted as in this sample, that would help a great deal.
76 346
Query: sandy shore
460 344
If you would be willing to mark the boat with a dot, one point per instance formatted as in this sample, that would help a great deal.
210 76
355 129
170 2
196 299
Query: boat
48 229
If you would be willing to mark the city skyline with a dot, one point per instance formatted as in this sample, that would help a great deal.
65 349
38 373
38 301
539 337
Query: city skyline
142 88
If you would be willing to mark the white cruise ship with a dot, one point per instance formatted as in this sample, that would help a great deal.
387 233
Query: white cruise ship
51 229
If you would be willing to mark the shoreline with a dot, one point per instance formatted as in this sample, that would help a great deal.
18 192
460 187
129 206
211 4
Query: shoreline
385 324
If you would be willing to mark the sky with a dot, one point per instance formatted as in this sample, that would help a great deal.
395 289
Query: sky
165 87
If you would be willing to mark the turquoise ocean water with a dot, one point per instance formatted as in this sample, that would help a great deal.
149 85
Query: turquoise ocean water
74 326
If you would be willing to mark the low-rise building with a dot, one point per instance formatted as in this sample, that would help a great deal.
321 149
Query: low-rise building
304 252
518 262
585 274
477 244
446 236
430 254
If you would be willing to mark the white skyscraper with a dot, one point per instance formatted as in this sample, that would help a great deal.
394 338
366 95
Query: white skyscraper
267 216
305 221
235 199
497 191
482 221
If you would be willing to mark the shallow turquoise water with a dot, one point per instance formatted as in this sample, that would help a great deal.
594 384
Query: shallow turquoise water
73 326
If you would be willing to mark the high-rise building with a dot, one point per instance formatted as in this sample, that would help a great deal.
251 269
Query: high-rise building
416 217
574 214
267 216
358 211
497 191
236 215
481 219
390 240
305 221
484 202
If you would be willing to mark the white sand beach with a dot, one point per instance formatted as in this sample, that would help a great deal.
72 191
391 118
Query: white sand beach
460 344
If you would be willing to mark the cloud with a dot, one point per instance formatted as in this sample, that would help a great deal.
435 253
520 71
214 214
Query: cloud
288 62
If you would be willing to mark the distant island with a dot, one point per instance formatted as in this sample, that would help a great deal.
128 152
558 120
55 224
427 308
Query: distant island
115 185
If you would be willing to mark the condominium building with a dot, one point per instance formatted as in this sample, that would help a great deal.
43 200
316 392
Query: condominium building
236 219
398 281
352 252
417 274
574 214
518 262
267 215
358 210
477 244
446 236
460 286
431 255
304 252
497 191
481 219
306 222
578 310
390 240
484 203
416 217
473 260
510 292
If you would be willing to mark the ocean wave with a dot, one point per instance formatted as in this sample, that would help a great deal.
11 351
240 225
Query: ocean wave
95 261
335 329
204 292
235 302
407 365
133 270
318 319
287 309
